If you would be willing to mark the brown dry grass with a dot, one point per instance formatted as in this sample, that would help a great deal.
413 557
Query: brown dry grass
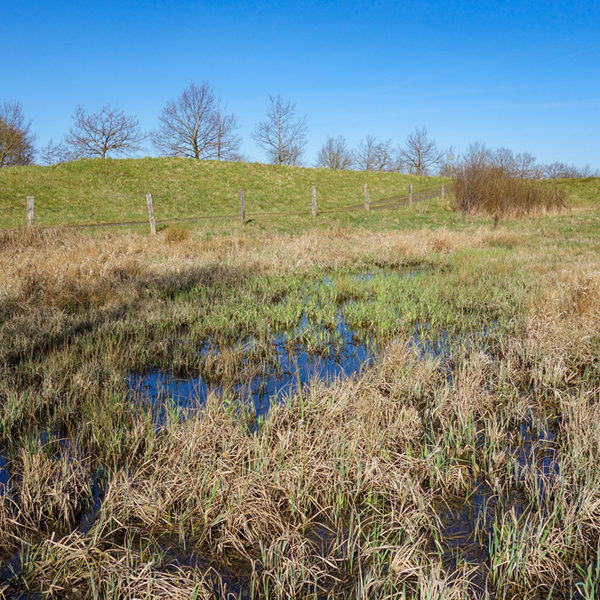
338 493
69 270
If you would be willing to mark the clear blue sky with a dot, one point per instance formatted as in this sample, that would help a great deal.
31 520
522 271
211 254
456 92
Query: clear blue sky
520 74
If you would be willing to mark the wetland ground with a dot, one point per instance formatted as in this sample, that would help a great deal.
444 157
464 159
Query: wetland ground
352 410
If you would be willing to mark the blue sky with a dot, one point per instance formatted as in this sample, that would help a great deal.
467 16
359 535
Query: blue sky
525 75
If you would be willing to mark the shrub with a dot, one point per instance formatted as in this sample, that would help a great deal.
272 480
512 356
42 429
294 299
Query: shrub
481 187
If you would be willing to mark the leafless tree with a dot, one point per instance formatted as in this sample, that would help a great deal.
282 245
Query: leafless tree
188 126
587 171
477 155
16 140
109 131
520 165
448 162
420 152
372 155
282 135
52 153
526 166
560 170
334 154
227 143
504 158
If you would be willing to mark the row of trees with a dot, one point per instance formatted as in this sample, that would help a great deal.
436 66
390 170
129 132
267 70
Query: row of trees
521 165
419 155
195 125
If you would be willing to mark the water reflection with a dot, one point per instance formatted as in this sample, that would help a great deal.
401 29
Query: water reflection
289 369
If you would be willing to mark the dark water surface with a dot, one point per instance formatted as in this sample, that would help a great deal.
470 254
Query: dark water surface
292 365
288 371
467 524
4 474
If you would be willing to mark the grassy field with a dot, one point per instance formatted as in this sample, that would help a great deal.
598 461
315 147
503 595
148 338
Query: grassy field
462 462
105 190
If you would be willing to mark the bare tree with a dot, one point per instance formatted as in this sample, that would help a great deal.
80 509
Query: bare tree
109 131
16 140
227 143
477 155
560 170
334 154
52 153
282 135
526 166
419 152
447 162
504 158
372 155
188 125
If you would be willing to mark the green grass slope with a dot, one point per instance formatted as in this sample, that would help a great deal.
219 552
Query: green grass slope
105 190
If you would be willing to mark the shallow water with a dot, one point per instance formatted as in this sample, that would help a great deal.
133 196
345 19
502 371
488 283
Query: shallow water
467 524
91 512
288 371
290 367
4 475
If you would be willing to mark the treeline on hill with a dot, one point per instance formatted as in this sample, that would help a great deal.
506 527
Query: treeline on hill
196 125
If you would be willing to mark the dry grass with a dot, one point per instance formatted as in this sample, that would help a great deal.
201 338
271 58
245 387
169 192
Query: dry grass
340 492
68 270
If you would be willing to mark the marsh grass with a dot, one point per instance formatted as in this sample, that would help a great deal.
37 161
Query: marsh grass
345 487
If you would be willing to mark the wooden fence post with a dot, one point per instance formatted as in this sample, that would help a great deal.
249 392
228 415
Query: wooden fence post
30 210
314 201
410 194
442 193
242 206
151 214
367 201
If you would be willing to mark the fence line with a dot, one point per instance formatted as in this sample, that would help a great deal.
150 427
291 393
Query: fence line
367 205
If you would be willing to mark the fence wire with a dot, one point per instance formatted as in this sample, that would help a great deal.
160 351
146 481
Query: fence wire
419 195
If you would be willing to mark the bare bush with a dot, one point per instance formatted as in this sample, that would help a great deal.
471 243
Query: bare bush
481 185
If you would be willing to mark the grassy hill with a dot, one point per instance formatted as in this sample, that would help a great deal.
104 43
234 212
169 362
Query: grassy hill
102 190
